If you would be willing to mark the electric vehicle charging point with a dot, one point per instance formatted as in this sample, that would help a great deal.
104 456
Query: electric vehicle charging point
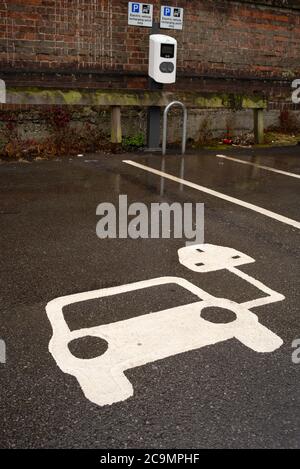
162 70
162 58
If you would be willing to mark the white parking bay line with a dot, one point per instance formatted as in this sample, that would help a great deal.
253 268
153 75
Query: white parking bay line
267 168
220 195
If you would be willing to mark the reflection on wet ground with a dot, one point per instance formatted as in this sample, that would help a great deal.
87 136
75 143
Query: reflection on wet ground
273 191
163 168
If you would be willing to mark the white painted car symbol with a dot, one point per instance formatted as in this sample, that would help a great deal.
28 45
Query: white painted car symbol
157 335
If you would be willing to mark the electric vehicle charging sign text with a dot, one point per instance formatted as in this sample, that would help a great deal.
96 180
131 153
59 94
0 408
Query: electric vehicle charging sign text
171 17
140 14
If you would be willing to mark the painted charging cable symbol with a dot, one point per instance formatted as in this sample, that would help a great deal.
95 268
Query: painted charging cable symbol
161 334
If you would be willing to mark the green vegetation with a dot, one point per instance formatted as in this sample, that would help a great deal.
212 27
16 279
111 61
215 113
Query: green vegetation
281 138
134 142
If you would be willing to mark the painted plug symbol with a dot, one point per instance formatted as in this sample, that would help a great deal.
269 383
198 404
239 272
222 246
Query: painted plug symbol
204 258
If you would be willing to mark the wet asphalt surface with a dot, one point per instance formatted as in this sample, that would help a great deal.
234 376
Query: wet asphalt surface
220 396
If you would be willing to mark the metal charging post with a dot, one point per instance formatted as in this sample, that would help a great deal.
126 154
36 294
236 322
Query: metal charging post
153 117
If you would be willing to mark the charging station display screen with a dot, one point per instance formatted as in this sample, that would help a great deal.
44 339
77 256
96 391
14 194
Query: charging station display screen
167 51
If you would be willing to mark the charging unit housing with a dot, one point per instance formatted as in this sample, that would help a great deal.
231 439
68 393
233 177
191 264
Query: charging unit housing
162 58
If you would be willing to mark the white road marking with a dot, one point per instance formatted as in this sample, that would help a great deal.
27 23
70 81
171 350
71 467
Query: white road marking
156 335
272 297
210 258
267 168
220 195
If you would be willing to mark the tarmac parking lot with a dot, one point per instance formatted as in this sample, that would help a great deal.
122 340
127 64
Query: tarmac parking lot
161 382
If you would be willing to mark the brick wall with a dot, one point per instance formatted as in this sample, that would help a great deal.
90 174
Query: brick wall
225 45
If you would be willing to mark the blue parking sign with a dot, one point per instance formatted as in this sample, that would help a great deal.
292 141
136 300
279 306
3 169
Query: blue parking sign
135 7
140 14
171 17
